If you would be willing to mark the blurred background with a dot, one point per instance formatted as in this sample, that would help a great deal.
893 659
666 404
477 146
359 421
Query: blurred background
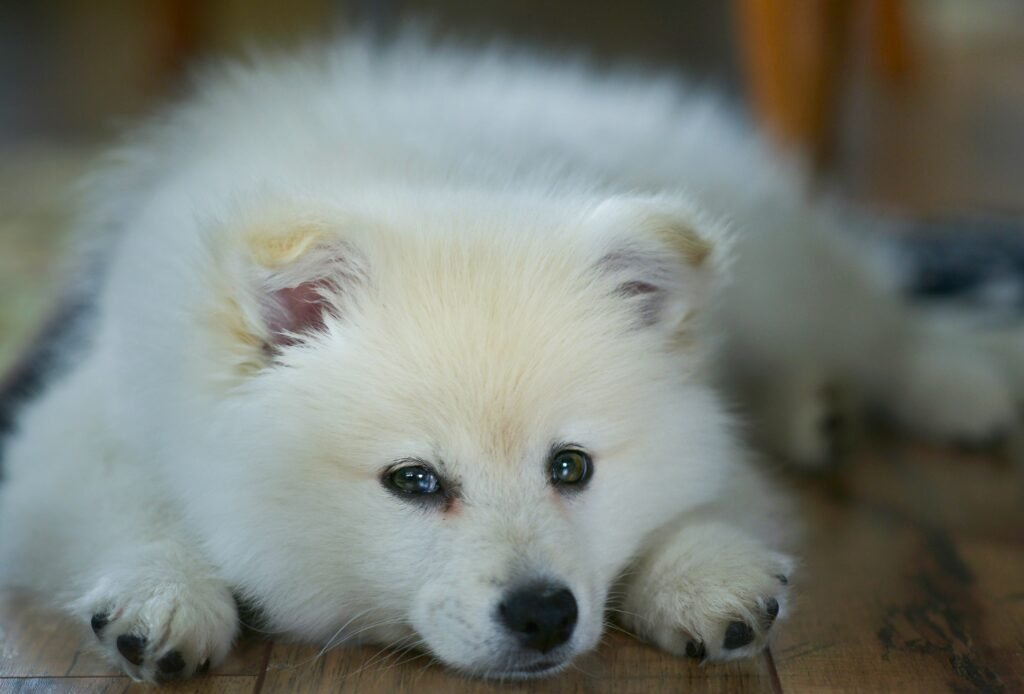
909 106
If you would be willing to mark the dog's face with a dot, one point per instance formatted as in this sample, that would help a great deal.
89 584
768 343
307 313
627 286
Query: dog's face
455 431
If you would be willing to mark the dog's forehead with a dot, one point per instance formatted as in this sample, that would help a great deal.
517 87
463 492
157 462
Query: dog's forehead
487 404
493 353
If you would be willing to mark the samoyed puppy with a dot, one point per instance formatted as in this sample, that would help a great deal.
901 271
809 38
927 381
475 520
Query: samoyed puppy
411 344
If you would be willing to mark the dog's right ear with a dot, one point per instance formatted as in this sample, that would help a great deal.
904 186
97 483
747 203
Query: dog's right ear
282 285
302 277
660 256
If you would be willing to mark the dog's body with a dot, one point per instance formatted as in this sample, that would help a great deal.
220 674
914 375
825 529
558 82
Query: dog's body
332 279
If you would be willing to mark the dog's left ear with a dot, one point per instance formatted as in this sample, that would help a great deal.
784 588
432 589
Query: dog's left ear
661 256
300 276
280 280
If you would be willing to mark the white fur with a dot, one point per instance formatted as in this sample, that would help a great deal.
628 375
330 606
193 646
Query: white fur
476 217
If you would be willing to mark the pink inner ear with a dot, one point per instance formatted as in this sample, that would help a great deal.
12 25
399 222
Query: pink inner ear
651 300
298 310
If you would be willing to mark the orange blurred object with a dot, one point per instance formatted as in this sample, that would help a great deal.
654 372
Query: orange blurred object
795 54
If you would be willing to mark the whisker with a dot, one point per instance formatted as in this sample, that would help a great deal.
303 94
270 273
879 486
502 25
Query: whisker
264 632
399 648
382 623
616 627
575 666
330 642
617 610
402 660
384 653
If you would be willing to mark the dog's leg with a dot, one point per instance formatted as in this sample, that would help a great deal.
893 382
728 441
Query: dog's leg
712 584
947 386
87 524
706 590
158 611
796 412
810 310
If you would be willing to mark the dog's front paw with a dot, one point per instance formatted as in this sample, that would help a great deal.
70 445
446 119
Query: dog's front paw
161 626
715 596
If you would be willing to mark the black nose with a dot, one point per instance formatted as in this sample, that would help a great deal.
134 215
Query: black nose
541 615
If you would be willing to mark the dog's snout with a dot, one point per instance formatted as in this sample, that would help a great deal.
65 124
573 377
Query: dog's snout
541 615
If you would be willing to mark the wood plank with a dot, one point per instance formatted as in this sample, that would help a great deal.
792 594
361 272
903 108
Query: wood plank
909 554
997 572
37 642
621 664
123 685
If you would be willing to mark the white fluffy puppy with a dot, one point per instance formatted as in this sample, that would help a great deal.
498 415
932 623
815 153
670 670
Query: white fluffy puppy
411 345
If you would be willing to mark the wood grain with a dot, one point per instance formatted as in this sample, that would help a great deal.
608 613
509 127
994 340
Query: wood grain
621 664
123 685
36 641
912 581
913 569
914 559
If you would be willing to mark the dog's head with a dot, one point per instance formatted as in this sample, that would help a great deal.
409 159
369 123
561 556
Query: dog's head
453 424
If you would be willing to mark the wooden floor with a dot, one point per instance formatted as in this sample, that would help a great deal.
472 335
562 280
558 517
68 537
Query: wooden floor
913 560
912 581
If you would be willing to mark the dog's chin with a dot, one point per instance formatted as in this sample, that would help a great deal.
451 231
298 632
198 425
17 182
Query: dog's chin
533 669
543 669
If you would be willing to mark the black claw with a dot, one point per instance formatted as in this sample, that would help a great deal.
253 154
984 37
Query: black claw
204 667
695 650
783 579
171 663
132 647
771 606
98 621
737 635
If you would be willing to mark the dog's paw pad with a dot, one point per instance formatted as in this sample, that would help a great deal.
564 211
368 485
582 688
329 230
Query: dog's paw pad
132 648
740 634
737 635
744 633
696 611
98 622
174 629
171 664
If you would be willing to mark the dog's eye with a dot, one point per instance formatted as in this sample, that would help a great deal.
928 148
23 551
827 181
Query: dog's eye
570 467
417 480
